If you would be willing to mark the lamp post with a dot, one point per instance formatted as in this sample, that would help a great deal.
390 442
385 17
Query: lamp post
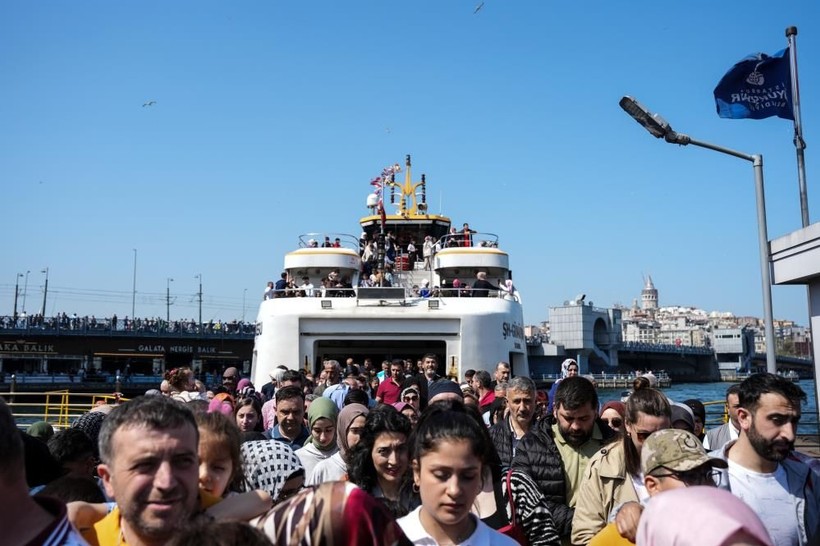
45 293
25 291
16 294
199 276
168 282
244 293
134 288
660 128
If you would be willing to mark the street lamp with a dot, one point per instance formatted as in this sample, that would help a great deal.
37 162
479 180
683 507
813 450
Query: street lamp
25 291
16 294
134 289
244 293
660 128
45 293
168 282
199 276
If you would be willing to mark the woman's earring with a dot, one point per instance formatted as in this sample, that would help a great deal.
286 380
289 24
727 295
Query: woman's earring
415 488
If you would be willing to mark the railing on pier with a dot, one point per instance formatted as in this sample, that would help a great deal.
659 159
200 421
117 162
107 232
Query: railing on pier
57 408
85 326
614 381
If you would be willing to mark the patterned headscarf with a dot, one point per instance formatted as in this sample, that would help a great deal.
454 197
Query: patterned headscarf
332 514
565 367
346 418
267 465
269 414
322 408
91 423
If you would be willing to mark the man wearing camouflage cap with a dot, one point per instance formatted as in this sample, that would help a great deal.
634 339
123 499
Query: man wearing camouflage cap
670 458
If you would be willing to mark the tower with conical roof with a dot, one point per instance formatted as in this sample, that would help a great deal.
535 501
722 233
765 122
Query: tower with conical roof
649 295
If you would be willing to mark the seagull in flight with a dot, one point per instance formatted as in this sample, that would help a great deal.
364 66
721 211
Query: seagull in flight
478 8
149 103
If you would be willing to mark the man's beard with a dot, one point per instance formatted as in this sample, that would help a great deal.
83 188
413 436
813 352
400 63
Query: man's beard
153 529
574 440
771 450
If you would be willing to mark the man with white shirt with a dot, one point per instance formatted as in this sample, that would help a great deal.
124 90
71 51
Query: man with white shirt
763 471
725 433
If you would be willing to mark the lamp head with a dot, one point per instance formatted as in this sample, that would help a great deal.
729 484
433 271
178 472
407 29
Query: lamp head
654 123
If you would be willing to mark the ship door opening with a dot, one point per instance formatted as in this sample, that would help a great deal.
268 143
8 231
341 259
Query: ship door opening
379 350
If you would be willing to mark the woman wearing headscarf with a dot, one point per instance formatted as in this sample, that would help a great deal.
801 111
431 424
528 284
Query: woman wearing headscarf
722 520
223 403
41 430
272 467
91 423
569 368
321 444
349 427
332 514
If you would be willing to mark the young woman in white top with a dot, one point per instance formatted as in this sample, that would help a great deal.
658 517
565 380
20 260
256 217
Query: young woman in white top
448 451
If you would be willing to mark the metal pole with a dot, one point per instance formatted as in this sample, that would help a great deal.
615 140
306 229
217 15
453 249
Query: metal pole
45 293
763 239
799 143
134 289
168 301
244 293
200 302
16 294
765 271
25 291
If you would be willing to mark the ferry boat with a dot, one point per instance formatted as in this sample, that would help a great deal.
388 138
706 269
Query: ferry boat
337 305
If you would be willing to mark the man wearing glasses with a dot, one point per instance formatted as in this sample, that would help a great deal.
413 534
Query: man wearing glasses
230 378
670 459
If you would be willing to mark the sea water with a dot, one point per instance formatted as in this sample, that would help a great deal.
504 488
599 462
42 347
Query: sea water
710 392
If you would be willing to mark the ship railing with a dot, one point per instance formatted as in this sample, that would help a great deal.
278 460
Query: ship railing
81 326
57 408
318 240
475 239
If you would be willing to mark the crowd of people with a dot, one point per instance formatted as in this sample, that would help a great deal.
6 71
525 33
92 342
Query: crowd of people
396 454
86 324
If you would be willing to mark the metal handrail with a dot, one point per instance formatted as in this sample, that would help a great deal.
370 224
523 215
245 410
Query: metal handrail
57 408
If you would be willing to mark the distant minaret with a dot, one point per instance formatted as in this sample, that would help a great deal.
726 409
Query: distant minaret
649 295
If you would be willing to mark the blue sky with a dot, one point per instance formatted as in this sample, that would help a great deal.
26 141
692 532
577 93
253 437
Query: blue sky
271 118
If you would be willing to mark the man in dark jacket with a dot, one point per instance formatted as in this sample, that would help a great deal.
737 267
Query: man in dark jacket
507 433
556 451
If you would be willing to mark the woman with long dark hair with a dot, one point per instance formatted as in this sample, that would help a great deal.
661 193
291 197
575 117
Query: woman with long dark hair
379 463
454 463
248 414
613 476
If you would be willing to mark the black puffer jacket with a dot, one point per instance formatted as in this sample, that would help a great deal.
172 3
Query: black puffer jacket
538 456
502 436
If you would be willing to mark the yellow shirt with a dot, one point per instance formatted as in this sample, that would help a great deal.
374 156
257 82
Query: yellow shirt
609 536
106 532
575 459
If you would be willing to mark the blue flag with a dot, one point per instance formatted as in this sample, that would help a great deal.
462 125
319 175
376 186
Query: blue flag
759 86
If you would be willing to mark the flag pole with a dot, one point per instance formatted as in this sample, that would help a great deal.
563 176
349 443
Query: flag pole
799 143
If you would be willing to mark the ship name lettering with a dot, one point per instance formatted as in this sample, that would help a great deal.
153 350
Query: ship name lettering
512 330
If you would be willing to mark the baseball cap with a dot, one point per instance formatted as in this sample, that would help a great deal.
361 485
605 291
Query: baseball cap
675 449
